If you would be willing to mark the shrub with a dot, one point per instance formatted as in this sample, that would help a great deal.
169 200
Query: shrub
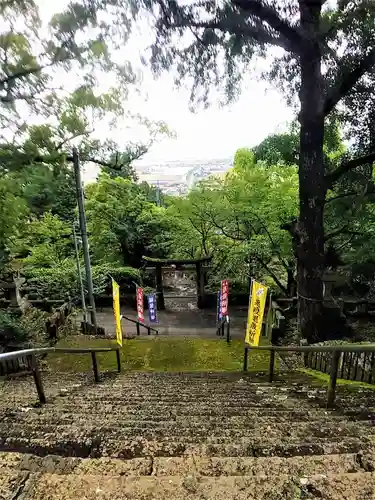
12 329
60 282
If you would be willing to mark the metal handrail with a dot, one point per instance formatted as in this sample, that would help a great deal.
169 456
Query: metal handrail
336 352
31 355
5 356
138 323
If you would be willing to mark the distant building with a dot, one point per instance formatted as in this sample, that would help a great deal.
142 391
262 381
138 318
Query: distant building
178 177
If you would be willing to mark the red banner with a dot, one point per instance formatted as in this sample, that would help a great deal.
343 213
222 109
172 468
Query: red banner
140 311
224 298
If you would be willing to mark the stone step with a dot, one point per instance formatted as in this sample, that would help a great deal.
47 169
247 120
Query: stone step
360 485
95 446
175 431
261 415
163 412
187 389
139 447
106 421
191 465
104 427
283 399
298 412
261 466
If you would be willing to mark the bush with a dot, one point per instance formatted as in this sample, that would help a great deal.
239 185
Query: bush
61 282
102 275
30 329
12 330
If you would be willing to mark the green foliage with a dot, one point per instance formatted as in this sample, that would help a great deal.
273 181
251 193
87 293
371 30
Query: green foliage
13 210
243 158
123 225
278 149
76 38
11 330
56 282
47 242
26 330
50 189
237 219
124 276
61 281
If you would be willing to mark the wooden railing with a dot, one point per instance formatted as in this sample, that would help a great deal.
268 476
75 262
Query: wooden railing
139 325
31 357
355 366
335 353
12 366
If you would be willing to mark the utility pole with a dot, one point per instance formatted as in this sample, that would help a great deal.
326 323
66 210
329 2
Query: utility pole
83 300
85 242
158 201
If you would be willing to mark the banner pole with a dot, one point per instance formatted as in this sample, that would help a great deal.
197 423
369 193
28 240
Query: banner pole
249 306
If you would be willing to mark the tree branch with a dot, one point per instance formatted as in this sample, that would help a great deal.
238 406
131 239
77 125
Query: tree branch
271 17
27 160
342 230
264 227
9 98
340 196
346 81
227 235
271 273
345 167
74 136
259 34
345 243
20 74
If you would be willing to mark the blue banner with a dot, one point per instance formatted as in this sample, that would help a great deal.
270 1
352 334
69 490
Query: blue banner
151 300
219 316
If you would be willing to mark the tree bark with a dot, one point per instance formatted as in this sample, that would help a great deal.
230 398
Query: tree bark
312 191
291 282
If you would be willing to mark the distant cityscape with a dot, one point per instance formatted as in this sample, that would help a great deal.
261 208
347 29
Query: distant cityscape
178 177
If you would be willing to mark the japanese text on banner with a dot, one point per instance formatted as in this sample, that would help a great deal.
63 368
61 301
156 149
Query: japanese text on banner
140 309
224 298
255 314
116 311
219 316
152 310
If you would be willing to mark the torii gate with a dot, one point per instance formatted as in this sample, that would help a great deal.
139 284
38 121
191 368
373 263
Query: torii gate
200 276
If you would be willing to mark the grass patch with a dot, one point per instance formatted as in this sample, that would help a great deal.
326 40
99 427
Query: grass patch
323 378
159 354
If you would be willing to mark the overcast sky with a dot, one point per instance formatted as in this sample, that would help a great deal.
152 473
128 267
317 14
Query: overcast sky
216 132
205 134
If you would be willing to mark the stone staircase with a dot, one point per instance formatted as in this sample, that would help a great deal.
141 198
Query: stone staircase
184 436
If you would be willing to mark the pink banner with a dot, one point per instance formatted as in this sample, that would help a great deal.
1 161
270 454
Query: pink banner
224 298
140 311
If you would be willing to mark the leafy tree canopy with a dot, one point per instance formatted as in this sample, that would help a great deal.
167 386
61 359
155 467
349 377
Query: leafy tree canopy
122 222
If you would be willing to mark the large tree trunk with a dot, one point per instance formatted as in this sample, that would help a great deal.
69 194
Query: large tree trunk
291 282
312 191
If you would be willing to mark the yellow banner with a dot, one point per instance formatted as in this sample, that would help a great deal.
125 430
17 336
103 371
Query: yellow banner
255 314
116 311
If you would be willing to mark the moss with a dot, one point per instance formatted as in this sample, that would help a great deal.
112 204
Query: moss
323 378
160 354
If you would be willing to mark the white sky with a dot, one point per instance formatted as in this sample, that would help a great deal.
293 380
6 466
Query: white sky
206 134
215 132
